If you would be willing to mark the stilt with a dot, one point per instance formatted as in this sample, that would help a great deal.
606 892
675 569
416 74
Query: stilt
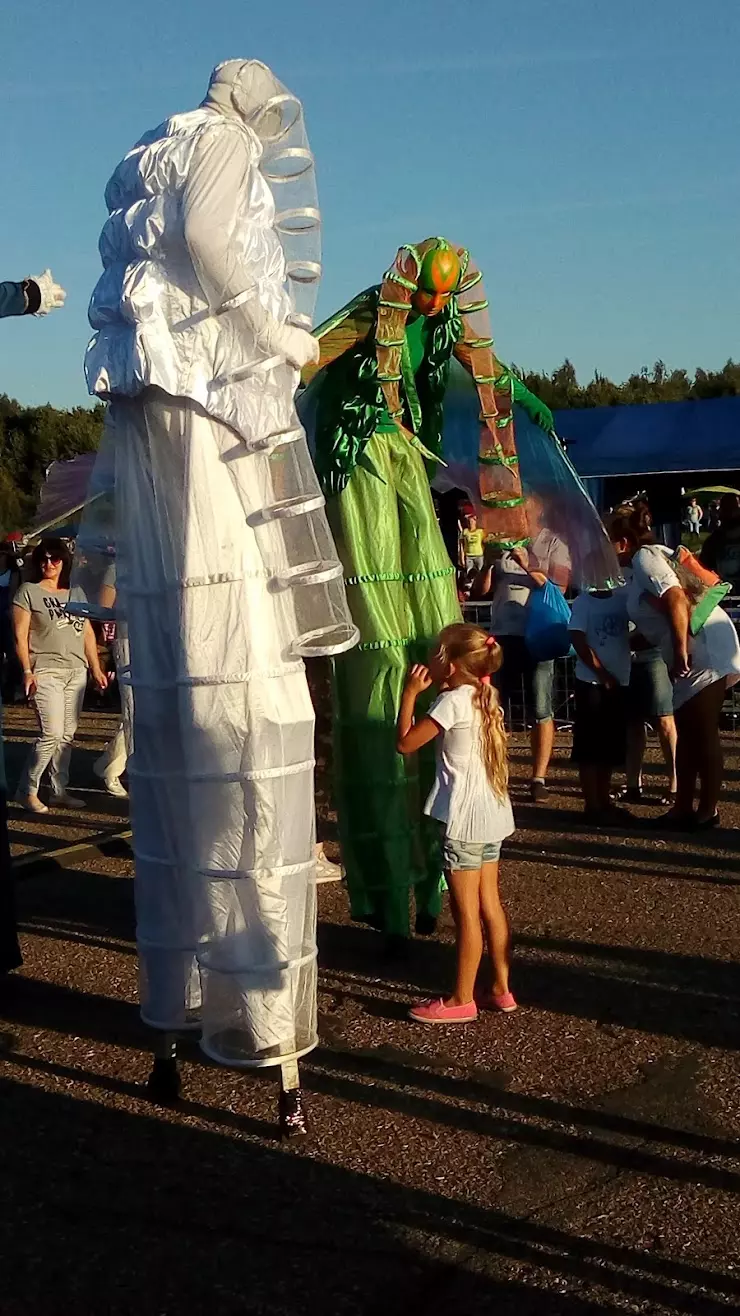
290 1107
163 1085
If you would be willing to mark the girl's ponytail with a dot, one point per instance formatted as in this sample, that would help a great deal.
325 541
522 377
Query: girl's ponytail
493 736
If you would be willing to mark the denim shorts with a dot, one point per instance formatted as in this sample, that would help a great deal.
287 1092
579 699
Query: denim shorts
650 690
525 686
465 855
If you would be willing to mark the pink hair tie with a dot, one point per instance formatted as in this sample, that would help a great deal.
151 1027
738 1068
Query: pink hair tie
490 641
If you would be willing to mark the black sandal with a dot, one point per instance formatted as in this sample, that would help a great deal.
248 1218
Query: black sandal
631 794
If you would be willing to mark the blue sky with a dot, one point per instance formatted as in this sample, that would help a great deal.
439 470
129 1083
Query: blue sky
585 151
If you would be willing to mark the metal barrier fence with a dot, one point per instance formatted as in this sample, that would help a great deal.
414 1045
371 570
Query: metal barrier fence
519 715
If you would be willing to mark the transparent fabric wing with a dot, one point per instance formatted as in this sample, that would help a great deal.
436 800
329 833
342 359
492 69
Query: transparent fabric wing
287 165
554 492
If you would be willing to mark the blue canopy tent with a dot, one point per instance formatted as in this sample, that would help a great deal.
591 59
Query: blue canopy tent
655 439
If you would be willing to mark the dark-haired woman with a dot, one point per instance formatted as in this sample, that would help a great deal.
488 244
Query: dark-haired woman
55 652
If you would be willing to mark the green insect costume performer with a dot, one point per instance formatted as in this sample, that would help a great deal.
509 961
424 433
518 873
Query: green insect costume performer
374 409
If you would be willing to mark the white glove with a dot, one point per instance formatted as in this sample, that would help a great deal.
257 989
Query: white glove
52 294
296 345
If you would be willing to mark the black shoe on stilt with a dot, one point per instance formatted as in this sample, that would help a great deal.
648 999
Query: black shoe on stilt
291 1114
163 1085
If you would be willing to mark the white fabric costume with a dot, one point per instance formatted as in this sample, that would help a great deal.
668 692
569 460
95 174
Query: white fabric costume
226 573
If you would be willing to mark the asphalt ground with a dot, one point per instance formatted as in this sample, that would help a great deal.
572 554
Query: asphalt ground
579 1156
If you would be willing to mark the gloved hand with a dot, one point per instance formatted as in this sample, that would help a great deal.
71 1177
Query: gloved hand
51 293
296 345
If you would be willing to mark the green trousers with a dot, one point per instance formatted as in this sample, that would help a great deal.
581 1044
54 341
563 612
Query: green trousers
402 591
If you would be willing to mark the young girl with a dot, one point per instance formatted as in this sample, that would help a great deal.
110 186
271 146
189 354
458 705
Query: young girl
470 797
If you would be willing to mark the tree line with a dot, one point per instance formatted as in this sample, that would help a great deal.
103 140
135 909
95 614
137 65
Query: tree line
31 438
561 389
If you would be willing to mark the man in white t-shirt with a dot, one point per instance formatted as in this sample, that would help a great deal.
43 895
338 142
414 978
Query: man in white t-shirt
524 682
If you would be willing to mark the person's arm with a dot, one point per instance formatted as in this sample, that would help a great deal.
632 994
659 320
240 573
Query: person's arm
14 299
22 627
535 579
36 296
93 661
412 735
482 584
590 659
676 607
559 574
537 411
230 281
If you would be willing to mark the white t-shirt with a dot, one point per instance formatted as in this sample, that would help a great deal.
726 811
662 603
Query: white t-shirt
462 797
511 593
714 652
605 624
642 655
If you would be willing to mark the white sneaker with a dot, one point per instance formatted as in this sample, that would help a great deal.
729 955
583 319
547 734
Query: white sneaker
114 787
31 803
63 800
326 871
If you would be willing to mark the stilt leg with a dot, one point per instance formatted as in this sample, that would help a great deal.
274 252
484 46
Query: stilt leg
163 1084
292 1114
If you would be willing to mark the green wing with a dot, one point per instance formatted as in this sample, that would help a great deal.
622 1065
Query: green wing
342 331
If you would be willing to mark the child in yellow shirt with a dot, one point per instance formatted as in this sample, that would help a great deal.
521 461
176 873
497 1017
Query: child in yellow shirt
472 539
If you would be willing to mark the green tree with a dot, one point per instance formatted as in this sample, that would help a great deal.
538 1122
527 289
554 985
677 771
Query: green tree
31 438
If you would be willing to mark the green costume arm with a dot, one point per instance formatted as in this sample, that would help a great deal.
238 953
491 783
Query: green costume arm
536 410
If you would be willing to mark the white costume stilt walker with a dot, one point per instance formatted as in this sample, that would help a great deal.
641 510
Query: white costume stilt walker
225 571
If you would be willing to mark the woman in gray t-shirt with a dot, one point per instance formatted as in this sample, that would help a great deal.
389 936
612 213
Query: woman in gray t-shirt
55 652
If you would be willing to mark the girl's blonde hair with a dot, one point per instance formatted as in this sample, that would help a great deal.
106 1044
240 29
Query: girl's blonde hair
476 655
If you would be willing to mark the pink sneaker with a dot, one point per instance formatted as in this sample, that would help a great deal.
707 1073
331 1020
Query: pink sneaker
436 1012
505 1002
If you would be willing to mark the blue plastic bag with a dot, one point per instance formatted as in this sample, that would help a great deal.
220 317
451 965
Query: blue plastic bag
546 628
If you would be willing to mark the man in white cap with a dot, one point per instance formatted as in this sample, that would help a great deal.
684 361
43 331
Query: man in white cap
226 572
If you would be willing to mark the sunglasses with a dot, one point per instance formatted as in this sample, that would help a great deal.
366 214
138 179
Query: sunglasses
49 557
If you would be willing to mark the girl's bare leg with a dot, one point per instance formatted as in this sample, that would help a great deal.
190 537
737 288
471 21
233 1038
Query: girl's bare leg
465 886
710 757
686 763
496 928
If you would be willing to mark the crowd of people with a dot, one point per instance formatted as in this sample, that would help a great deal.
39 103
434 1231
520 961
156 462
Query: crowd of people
257 526
639 663
641 658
